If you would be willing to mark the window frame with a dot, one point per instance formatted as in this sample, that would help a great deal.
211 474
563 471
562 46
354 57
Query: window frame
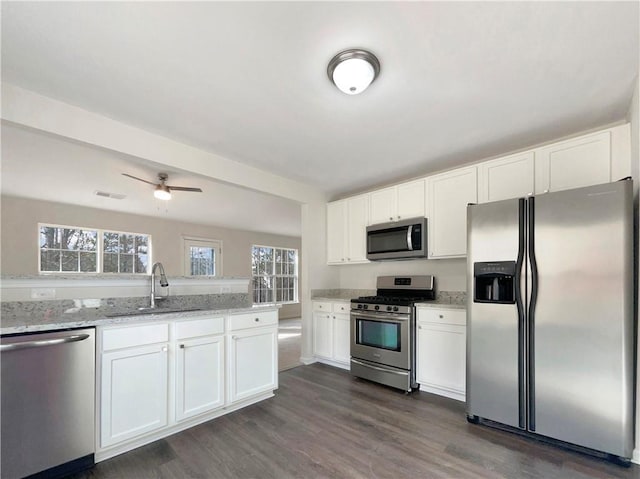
215 244
274 275
99 251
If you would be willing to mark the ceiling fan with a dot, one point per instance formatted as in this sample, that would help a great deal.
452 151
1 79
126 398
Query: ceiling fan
162 190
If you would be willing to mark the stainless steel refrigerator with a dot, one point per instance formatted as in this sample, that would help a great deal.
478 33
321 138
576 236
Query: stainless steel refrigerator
550 330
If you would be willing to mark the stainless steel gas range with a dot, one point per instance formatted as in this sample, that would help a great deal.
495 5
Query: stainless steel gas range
383 330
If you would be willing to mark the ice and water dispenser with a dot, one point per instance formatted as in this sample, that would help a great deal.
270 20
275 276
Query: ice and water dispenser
494 282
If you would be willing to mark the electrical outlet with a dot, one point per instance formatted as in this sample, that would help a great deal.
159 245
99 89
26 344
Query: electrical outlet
43 293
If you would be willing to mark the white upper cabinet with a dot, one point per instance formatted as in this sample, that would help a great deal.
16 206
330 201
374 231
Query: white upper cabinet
382 205
346 230
574 163
336 231
397 202
449 195
504 178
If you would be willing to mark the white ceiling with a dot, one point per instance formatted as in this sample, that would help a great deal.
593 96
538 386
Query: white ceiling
247 80
46 167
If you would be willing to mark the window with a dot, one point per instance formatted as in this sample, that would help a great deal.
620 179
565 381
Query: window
68 249
125 252
202 257
275 274
71 249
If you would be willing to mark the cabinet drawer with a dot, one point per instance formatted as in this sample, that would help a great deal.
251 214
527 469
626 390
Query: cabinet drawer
342 307
252 320
322 306
199 327
139 335
443 316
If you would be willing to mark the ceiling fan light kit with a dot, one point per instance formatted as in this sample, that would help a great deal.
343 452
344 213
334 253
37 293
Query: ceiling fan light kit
162 191
353 70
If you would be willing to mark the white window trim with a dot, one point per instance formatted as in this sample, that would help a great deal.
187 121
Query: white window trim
99 252
296 292
188 241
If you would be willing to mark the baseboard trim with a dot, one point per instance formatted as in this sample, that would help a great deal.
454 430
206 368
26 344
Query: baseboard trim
636 456
458 396
335 364
126 446
307 360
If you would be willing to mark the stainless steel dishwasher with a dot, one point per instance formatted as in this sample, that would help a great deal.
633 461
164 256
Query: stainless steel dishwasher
48 403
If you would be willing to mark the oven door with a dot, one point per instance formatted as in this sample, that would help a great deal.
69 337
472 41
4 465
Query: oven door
382 338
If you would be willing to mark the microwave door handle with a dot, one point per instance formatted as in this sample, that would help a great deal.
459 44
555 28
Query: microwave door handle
409 234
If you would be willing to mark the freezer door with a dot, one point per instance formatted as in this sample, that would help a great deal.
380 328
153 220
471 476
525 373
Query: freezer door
494 367
583 321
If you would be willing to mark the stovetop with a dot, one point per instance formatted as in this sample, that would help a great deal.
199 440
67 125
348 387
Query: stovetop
393 300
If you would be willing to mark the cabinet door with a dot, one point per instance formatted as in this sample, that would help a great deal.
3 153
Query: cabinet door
449 195
505 178
574 163
341 338
322 335
441 358
411 200
134 393
336 232
382 205
357 221
253 362
199 376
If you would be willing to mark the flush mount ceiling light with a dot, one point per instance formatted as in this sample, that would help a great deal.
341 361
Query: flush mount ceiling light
353 70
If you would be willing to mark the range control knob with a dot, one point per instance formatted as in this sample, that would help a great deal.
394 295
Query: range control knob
389 308
395 308
377 307
359 306
365 306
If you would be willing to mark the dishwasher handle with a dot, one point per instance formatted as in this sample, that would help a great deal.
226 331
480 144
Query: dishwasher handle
43 342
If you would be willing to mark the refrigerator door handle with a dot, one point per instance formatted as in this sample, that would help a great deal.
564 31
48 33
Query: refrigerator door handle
522 397
532 309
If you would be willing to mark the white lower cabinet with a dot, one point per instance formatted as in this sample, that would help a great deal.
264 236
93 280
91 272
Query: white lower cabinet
322 335
331 333
134 382
199 376
158 378
441 352
253 362
341 337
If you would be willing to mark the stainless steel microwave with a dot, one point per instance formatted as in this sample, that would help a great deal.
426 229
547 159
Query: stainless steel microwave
398 240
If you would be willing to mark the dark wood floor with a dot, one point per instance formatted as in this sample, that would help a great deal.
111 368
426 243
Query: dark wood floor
324 424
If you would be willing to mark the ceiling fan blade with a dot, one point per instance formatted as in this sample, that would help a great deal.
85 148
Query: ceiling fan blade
139 179
183 188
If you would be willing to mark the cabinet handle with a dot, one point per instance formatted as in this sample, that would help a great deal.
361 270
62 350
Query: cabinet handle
234 337
441 316
530 193
165 349
398 216
257 320
182 346
342 259
348 259
319 306
390 218
546 191
419 327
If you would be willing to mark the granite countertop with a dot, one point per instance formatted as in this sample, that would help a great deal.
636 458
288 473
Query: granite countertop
440 304
88 318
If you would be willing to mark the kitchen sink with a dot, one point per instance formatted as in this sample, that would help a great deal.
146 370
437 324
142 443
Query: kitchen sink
141 311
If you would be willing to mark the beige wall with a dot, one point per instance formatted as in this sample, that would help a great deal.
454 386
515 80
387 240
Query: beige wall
19 237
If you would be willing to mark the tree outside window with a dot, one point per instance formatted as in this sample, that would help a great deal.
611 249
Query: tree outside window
275 274
71 249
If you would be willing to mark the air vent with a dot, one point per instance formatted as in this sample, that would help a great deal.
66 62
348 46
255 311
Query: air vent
115 196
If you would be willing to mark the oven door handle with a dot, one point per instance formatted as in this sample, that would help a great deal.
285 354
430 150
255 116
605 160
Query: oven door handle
377 368
379 316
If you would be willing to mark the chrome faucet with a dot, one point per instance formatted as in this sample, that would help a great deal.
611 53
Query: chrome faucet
163 283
